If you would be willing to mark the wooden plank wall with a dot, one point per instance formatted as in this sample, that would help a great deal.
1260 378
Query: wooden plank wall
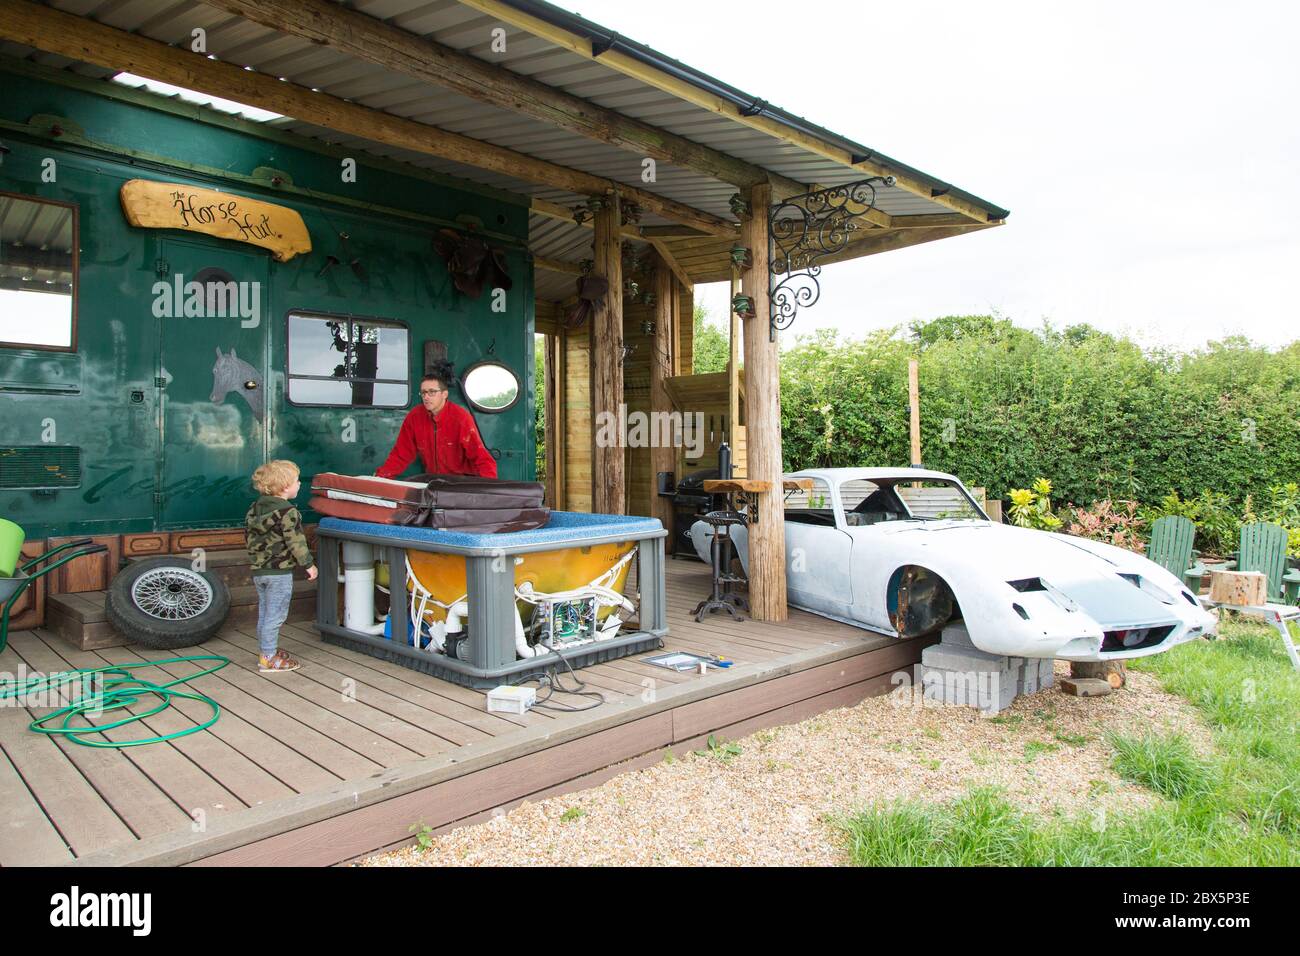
577 420
636 393
575 417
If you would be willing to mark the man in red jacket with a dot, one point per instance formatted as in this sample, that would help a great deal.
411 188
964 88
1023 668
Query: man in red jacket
442 433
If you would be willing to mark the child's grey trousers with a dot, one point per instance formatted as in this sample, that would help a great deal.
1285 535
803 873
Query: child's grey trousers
274 592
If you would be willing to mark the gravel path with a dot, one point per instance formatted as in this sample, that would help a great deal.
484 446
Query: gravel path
768 802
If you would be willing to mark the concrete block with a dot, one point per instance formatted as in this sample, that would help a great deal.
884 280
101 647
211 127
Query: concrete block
984 690
1046 670
962 659
1000 702
957 635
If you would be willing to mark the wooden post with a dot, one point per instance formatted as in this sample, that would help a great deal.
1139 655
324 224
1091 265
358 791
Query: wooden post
608 494
914 407
763 403
559 363
663 455
733 366
550 395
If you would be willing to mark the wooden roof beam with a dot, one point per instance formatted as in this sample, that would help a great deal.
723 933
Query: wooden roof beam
368 38
662 248
79 38
558 265
554 210
871 243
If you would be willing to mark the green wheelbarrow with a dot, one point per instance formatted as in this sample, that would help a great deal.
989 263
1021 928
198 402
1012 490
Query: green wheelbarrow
12 588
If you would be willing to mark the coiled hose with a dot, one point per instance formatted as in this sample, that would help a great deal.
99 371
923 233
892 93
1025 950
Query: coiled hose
114 688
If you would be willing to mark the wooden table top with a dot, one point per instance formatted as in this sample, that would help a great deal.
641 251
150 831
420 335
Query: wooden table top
717 486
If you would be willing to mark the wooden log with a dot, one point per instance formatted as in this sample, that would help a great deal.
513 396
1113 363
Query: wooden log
767 588
1114 673
549 443
663 456
609 495
733 366
914 408
1239 588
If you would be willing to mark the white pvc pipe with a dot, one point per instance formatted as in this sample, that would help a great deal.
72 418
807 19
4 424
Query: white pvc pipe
455 614
359 587
521 643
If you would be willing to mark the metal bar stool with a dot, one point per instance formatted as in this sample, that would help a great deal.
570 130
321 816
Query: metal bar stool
721 551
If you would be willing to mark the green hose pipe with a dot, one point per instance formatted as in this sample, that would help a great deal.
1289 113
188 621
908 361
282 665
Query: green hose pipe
118 690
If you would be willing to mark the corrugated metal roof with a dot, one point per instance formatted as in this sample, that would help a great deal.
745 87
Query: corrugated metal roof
300 61
35 244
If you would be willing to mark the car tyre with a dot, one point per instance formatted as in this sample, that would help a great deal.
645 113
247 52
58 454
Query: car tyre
165 603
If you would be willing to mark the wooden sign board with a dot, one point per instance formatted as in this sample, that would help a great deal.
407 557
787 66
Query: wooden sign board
155 205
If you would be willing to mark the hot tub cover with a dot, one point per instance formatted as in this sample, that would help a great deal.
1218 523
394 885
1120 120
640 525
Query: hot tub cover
453 502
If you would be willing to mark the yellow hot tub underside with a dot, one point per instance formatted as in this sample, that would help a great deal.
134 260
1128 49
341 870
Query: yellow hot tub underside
444 576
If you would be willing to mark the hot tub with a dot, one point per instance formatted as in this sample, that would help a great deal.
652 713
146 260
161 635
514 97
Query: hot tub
487 609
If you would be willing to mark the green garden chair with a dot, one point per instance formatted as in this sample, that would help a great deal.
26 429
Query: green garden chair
1263 549
1171 548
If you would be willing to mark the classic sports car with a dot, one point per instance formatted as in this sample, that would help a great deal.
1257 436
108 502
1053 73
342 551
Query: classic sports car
904 551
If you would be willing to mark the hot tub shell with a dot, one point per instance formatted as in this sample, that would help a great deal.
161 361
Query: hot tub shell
490 593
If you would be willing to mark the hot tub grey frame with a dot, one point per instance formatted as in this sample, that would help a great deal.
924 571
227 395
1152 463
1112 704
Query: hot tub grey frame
491 598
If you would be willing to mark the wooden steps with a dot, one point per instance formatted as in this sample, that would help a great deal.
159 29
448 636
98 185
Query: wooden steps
231 566
80 618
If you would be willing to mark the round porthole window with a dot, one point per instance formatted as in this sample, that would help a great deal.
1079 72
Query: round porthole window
490 386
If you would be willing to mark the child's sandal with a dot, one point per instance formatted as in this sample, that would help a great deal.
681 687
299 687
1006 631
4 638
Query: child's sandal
277 662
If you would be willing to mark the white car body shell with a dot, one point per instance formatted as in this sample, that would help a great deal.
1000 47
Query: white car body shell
1082 588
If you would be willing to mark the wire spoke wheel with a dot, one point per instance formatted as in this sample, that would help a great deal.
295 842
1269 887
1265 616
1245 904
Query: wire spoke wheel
172 594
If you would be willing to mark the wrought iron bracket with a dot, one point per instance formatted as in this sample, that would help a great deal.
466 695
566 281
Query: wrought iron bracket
804 230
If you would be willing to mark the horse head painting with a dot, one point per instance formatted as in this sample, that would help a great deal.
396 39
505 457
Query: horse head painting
233 374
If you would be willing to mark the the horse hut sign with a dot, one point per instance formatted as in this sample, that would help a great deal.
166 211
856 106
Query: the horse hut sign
153 205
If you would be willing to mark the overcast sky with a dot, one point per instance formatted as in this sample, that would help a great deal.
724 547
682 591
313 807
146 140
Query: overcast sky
1148 151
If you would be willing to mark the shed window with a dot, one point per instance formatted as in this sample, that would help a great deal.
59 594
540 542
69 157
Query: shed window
38 273
347 360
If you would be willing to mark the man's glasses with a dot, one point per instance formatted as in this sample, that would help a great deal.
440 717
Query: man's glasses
431 391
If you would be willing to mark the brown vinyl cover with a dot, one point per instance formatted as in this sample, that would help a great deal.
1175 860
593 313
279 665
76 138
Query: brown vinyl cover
449 502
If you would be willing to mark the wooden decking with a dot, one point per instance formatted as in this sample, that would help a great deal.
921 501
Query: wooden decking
340 758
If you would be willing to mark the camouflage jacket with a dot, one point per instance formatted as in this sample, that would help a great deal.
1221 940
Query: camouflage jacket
276 543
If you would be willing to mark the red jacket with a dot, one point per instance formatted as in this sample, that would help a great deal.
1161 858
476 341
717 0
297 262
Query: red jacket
448 444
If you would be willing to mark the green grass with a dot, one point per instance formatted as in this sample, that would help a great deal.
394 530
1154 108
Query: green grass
571 814
1236 807
1167 765
1036 748
723 750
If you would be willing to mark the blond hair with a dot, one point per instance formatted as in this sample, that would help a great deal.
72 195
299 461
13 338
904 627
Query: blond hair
275 476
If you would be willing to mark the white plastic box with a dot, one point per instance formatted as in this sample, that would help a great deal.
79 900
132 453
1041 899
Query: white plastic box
508 699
